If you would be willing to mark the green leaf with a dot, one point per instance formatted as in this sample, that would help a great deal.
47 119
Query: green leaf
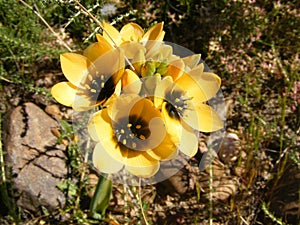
66 126
101 197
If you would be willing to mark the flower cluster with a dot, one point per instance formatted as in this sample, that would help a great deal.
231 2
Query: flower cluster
151 103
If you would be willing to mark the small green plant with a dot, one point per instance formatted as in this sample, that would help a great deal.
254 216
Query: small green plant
271 216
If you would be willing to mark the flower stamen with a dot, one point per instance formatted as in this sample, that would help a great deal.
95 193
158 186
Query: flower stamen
98 88
128 133
177 103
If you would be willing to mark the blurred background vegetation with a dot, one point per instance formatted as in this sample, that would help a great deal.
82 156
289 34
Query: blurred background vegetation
253 45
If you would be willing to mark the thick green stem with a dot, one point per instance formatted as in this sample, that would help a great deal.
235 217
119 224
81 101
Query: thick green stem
101 197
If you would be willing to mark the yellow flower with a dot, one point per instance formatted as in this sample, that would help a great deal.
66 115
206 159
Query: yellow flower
131 38
184 99
92 77
131 32
131 133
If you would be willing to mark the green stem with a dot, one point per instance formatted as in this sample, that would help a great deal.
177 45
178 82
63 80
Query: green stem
101 197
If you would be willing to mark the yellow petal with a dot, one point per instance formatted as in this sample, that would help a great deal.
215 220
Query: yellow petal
110 63
192 88
75 67
64 93
149 85
122 105
144 171
99 126
164 86
192 61
101 130
161 36
104 162
103 42
145 109
168 148
189 141
166 151
158 134
83 103
175 69
166 51
131 83
95 50
203 118
118 89
173 125
131 49
208 82
153 48
154 33
131 32
139 159
138 60
110 32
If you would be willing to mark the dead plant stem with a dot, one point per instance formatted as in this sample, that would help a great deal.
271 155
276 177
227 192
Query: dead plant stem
140 201
210 188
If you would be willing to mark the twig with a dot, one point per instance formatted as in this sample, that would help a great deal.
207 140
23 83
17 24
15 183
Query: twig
244 220
210 187
96 21
3 78
77 14
35 10
2 170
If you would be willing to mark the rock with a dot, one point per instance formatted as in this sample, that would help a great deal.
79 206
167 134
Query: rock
33 157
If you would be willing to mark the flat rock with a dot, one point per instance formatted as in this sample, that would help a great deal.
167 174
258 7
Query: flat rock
36 161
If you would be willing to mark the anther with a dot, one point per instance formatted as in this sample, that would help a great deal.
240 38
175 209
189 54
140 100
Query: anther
138 126
142 137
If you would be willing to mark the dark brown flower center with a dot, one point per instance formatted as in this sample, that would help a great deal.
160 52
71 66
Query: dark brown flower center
131 131
100 87
176 103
